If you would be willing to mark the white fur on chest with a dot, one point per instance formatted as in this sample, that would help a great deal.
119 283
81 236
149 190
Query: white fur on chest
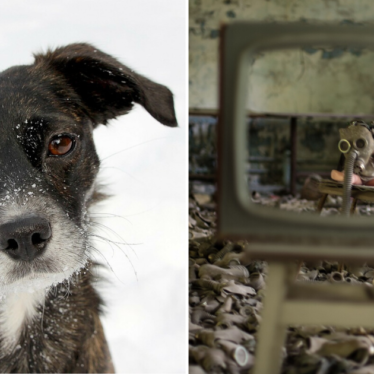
16 310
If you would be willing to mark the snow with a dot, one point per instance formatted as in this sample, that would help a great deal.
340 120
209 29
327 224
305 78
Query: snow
144 167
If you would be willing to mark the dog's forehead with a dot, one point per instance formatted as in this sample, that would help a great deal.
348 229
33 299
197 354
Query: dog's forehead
26 91
23 81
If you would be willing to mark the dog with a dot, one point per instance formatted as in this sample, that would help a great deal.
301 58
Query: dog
49 308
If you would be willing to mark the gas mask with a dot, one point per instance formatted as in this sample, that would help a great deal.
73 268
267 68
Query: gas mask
357 145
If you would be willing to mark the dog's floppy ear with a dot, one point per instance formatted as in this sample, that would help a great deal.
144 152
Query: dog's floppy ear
107 88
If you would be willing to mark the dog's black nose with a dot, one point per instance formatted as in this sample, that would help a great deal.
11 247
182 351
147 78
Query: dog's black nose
25 238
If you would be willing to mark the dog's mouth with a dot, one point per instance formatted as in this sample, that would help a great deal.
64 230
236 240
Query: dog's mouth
23 269
31 277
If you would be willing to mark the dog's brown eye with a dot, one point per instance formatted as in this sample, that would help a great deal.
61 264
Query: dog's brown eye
61 145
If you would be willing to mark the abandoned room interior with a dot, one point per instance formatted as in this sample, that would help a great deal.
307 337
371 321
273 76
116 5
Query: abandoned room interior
281 187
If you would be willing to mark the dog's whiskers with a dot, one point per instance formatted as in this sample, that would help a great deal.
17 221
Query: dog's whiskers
117 244
122 171
109 266
107 215
132 147
110 243
103 227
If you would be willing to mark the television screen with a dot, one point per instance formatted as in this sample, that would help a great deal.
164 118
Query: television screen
296 100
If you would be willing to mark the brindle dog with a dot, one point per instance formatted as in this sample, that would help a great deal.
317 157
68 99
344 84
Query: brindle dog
49 309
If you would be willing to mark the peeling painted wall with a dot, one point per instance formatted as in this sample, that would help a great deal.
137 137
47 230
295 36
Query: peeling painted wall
324 80
295 81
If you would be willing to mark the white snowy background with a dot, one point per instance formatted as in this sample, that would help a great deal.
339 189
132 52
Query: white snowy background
144 167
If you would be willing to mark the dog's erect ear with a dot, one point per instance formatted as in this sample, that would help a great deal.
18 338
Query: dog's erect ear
107 88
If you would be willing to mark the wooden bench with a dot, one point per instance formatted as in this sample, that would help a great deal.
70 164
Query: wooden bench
330 187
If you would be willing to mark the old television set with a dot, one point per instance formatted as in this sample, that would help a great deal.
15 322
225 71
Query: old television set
274 233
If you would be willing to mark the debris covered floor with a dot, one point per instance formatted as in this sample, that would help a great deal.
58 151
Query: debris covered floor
225 300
